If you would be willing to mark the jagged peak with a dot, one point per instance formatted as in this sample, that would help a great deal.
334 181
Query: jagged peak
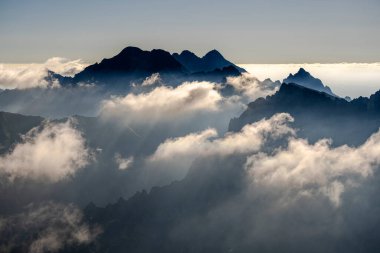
302 71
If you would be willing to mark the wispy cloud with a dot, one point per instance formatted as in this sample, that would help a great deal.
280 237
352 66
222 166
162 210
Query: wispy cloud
123 163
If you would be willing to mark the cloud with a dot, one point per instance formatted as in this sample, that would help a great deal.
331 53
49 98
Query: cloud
46 227
123 163
52 153
182 151
304 169
293 168
251 87
165 103
294 197
153 79
24 76
65 67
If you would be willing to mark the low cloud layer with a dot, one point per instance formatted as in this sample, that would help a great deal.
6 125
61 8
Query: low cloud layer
46 227
24 76
55 152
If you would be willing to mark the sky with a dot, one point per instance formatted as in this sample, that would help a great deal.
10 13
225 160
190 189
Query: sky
245 31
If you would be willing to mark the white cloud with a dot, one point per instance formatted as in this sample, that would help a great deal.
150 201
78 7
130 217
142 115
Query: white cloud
65 67
24 76
123 163
164 103
50 226
53 153
182 151
153 79
251 87
304 169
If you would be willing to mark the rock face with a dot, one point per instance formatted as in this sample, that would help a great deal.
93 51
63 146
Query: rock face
304 78
317 114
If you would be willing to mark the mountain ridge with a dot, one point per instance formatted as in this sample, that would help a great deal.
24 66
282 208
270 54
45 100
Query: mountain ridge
134 64
210 61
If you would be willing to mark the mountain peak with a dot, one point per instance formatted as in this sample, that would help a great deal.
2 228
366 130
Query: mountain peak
305 79
214 54
302 73
130 49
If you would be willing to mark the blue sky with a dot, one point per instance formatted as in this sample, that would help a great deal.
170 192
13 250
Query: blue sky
255 31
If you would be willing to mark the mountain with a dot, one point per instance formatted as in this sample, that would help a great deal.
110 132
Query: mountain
209 62
133 65
304 78
133 62
317 114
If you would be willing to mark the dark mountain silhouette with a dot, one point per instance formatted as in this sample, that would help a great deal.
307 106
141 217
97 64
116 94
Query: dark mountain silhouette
209 62
133 62
317 114
134 65
304 78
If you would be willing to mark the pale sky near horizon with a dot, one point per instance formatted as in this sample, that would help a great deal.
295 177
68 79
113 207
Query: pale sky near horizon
244 31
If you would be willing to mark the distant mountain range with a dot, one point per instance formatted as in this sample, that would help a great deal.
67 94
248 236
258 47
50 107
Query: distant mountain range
133 64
